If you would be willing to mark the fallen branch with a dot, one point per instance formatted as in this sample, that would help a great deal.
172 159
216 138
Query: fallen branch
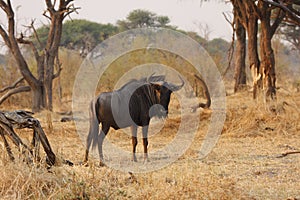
206 94
14 91
13 85
288 153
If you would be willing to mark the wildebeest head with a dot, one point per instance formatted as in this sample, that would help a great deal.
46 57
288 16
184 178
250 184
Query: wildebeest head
164 90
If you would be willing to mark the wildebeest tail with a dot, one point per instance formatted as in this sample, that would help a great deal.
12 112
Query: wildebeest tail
94 125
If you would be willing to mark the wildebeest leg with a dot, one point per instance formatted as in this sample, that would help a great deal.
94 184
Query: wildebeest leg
134 142
88 145
145 142
93 130
102 134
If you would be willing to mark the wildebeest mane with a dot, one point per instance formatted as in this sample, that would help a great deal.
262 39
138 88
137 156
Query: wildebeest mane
142 81
147 94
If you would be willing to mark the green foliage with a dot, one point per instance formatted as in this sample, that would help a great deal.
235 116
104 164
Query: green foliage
163 20
197 38
218 45
78 34
42 33
143 18
83 35
218 49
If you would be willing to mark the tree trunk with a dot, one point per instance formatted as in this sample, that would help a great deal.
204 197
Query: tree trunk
267 53
240 55
35 84
268 62
253 53
48 83
51 53
38 95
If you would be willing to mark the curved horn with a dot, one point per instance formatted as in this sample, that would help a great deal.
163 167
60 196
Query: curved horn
154 79
177 87
150 77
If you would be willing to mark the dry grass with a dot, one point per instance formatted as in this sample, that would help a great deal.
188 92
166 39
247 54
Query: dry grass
243 165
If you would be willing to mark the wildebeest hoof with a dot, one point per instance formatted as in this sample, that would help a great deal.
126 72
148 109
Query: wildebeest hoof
134 158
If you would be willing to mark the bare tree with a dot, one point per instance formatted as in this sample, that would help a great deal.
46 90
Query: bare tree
270 14
204 30
47 59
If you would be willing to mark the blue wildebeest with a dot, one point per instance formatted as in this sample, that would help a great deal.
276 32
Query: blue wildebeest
131 106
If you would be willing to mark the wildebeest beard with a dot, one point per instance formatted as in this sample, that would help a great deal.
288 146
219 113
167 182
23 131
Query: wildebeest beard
158 111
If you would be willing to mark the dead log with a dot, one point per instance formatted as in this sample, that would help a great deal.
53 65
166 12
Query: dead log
22 119
206 94
7 147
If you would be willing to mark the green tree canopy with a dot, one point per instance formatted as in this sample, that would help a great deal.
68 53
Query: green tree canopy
84 35
143 18
81 34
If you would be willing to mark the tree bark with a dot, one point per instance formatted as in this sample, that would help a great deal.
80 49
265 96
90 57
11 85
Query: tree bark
252 30
267 61
248 16
266 50
240 56
51 51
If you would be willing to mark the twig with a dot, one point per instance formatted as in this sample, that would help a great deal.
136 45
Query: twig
21 40
231 48
35 33
288 153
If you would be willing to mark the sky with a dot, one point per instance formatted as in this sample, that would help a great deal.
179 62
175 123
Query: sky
185 14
